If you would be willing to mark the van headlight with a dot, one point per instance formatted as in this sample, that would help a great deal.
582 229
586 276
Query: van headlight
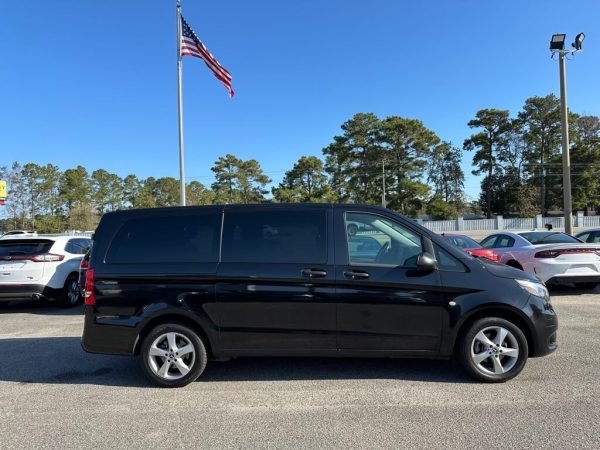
537 289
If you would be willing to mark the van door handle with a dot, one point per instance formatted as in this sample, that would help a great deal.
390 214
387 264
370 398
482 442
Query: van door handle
314 273
356 274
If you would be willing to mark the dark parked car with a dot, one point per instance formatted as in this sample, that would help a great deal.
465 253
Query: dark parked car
181 286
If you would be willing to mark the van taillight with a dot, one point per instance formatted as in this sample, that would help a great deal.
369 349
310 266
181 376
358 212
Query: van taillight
85 264
88 293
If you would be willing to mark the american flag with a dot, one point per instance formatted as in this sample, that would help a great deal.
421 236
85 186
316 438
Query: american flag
192 46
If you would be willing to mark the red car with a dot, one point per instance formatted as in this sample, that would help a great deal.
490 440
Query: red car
471 247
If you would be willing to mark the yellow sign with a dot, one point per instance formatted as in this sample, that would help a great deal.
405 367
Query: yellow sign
2 189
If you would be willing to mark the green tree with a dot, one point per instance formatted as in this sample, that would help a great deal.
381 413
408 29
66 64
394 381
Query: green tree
107 191
446 174
305 182
130 192
337 165
166 191
439 209
197 194
238 181
83 217
406 146
353 160
585 163
252 181
145 197
540 119
42 187
362 142
75 188
495 126
225 186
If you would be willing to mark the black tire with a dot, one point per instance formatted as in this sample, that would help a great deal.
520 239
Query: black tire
586 286
184 336
352 229
470 348
71 294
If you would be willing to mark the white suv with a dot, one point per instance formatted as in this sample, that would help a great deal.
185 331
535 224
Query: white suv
36 267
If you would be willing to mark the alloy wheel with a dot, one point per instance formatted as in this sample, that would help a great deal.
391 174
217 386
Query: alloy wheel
171 356
494 350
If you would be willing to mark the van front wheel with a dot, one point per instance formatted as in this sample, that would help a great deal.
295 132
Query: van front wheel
493 350
172 355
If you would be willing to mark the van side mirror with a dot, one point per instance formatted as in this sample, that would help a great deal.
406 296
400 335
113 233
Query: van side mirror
426 262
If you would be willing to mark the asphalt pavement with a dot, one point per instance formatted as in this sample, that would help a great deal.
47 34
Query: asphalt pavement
54 395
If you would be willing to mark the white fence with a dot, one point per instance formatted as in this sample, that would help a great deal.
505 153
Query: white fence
590 221
500 223
71 233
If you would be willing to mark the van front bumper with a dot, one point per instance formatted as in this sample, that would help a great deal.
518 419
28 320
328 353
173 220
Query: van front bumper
544 327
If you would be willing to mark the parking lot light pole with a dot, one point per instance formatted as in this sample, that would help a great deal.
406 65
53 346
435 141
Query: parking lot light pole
557 45
566 158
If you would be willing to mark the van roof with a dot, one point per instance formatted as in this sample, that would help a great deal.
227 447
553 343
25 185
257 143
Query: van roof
175 209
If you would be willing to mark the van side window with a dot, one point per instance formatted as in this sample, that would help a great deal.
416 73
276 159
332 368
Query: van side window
167 239
275 236
373 239
447 262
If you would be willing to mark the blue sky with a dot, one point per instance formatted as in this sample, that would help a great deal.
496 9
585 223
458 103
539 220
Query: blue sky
94 82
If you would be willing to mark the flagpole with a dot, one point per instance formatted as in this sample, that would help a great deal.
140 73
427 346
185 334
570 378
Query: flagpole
180 110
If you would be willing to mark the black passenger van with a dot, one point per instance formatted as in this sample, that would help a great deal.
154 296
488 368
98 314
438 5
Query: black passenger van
180 286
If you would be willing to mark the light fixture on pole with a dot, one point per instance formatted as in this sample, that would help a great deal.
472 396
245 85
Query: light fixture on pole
557 45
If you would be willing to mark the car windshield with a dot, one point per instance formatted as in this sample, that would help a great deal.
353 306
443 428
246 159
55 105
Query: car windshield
549 237
462 241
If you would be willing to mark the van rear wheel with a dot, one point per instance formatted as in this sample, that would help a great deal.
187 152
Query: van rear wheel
493 350
172 355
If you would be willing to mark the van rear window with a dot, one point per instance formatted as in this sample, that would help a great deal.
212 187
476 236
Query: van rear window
168 239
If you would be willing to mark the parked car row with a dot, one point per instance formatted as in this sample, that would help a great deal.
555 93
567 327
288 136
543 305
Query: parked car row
554 257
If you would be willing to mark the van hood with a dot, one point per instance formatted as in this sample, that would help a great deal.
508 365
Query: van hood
504 271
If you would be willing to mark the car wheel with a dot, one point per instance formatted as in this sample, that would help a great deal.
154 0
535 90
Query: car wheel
172 355
586 286
493 350
71 295
352 229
